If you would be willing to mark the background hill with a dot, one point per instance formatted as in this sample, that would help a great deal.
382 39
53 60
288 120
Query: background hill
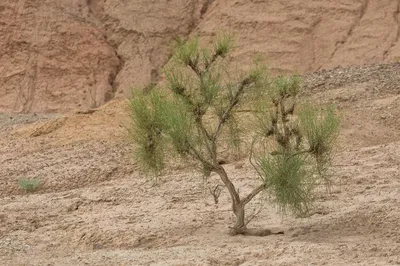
58 56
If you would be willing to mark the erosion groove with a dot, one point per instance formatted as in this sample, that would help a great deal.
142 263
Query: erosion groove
205 7
110 94
396 18
91 51
352 27
312 38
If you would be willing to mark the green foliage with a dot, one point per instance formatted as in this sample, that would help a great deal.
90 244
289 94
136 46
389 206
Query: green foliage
157 120
188 52
224 45
320 129
177 125
209 87
198 114
285 86
288 180
145 132
177 120
29 185
299 144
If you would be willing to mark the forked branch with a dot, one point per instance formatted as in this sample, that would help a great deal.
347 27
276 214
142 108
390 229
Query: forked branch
233 102
254 193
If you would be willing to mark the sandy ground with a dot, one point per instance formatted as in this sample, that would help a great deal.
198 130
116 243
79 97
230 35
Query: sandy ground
95 208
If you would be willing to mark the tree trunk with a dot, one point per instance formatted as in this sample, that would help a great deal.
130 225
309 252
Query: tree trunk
238 206
240 215
240 225
229 185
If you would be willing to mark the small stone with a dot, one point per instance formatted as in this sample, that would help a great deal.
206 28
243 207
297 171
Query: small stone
97 246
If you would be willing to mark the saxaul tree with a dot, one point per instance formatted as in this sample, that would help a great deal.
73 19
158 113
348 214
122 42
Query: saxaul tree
290 145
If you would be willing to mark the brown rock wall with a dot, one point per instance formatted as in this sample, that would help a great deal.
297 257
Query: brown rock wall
58 56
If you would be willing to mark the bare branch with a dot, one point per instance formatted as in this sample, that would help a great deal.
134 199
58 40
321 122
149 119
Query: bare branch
229 185
252 217
209 143
211 62
216 192
251 158
234 101
195 68
254 193
197 155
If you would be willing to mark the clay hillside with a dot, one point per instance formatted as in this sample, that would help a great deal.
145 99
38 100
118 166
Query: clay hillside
58 56
65 69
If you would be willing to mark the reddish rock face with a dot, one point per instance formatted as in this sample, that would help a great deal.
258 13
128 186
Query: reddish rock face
58 56
53 57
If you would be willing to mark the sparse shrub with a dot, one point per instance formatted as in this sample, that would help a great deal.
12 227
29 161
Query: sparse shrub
291 146
29 185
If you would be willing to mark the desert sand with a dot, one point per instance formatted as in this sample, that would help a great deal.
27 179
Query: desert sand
66 68
95 208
